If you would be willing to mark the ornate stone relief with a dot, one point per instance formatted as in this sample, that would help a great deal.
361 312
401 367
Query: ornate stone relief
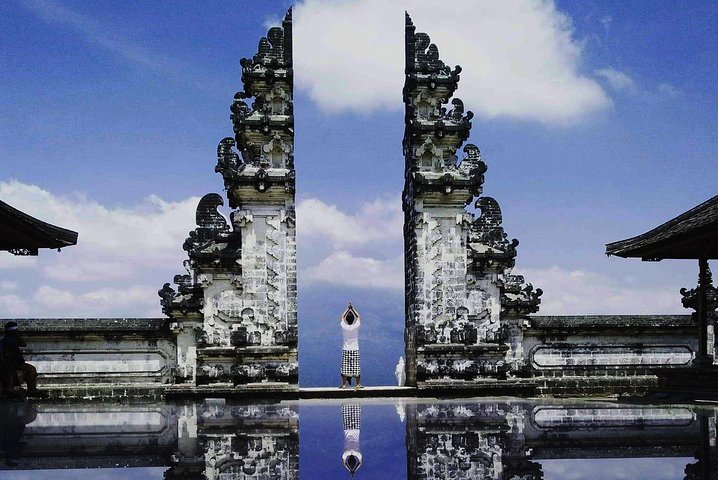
240 291
459 293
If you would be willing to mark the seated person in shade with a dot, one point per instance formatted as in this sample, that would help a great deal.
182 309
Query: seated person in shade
350 321
14 362
6 379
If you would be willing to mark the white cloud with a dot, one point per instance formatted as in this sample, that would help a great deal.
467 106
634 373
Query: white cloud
8 261
129 300
8 285
617 80
669 90
580 292
112 242
520 58
94 270
361 261
54 297
359 243
379 220
96 33
343 268
606 21
14 305
123 255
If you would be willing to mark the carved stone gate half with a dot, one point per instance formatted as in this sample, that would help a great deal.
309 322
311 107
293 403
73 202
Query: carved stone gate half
463 308
234 311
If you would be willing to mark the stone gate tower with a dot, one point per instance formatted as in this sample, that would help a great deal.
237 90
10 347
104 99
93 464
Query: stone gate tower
235 312
463 308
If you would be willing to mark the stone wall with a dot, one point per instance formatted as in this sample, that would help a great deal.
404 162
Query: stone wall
108 357
560 355
599 354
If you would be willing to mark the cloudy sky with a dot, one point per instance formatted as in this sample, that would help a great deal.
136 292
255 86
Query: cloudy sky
596 119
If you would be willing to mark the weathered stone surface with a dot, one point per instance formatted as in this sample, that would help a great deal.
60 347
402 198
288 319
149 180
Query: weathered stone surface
235 312
458 287
73 354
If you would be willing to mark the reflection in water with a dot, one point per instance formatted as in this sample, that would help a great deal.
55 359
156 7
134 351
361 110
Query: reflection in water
351 421
511 440
471 439
13 418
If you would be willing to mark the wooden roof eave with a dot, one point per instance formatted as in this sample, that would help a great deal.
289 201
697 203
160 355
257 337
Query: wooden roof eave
22 231
690 241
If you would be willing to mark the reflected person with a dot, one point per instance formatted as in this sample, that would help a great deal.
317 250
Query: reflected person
14 362
351 420
13 418
350 321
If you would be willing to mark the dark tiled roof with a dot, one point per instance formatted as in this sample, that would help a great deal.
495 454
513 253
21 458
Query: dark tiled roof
22 234
690 235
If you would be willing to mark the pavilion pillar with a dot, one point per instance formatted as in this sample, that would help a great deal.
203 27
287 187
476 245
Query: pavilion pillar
702 311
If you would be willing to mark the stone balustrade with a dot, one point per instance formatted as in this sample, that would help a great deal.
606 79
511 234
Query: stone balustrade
560 355
107 357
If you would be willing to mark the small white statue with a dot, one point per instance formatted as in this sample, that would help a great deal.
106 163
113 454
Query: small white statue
400 410
400 373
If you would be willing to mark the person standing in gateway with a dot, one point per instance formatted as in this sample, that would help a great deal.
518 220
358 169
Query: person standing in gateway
350 322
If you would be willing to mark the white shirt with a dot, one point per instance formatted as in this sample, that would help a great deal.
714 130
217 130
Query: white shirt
351 335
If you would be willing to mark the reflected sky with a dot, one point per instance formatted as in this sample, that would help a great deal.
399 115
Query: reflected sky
373 438
382 441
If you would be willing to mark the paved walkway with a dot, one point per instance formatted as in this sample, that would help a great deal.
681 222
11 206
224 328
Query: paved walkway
351 392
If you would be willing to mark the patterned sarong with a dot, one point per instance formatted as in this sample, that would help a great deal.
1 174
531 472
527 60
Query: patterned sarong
351 417
351 363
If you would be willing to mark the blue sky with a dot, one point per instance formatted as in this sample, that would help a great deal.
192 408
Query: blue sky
596 119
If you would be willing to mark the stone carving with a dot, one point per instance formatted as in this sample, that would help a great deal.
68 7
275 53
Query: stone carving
519 298
212 245
460 297
690 297
264 132
239 296
188 297
489 247
456 441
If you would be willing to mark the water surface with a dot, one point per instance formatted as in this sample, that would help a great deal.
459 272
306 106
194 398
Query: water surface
501 438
